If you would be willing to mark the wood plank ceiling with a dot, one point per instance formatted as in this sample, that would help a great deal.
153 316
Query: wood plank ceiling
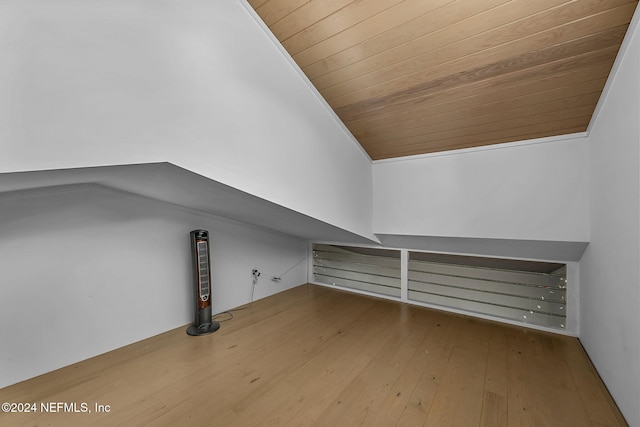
419 76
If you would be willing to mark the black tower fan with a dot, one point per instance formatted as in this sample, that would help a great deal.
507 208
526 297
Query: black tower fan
203 323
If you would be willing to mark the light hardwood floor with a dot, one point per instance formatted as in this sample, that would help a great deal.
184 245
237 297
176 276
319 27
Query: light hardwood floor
317 356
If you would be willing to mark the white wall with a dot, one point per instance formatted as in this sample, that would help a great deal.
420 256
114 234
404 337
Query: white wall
87 269
198 84
610 271
514 191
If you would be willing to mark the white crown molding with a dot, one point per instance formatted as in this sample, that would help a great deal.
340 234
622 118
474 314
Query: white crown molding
506 145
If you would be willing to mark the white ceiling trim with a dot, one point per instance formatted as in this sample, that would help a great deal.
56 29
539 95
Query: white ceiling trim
545 140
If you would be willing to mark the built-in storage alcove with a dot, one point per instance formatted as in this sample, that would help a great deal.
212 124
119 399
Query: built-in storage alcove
517 291
365 269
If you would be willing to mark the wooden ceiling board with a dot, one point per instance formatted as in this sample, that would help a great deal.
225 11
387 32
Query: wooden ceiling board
412 76
547 46
503 99
482 76
454 41
476 100
272 11
469 36
338 22
475 140
486 124
475 116
256 3
426 23
305 16
507 86
325 52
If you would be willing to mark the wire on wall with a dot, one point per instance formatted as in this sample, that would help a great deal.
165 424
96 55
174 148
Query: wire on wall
255 273
280 276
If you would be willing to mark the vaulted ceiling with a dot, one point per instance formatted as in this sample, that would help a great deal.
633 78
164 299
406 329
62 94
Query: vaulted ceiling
419 76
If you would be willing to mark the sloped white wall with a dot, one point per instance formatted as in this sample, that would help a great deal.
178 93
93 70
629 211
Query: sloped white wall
610 271
198 84
85 270
521 191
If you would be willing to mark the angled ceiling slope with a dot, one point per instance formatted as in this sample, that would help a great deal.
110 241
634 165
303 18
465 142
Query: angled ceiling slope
412 76
173 185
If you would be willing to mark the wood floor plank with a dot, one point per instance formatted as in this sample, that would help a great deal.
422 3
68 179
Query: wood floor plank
318 356
494 410
324 378
359 402
309 346
496 385
437 350
460 394
590 387
388 411
459 397
266 364
520 397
